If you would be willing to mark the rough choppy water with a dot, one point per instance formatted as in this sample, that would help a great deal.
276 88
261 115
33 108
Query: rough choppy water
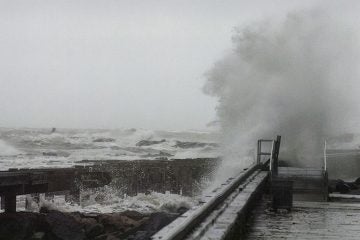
39 148
144 203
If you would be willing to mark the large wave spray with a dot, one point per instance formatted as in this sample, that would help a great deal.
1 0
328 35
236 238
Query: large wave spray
7 150
297 77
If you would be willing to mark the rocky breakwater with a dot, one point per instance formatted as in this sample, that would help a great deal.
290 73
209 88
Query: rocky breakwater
56 225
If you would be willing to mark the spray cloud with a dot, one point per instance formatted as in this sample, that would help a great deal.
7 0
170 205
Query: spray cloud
297 77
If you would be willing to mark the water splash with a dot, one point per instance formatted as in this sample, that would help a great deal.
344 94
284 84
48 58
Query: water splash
297 77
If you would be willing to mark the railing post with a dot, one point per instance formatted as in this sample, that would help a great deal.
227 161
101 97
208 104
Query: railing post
258 156
10 202
276 155
271 164
325 167
2 204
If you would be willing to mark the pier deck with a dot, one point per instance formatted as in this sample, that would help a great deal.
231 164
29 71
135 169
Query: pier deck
307 220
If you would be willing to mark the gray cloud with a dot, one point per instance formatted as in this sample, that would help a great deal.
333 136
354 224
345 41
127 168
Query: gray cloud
115 63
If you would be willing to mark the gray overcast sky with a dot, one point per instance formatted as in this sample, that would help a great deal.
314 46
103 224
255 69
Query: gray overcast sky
116 63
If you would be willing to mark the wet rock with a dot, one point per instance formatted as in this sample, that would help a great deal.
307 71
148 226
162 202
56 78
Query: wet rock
110 236
104 140
64 227
134 215
88 221
174 208
182 210
342 187
118 222
38 236
55 225
102 237
140 235
93 231
158 221
14 226
357 181
149 142
89 225
155 222
352 185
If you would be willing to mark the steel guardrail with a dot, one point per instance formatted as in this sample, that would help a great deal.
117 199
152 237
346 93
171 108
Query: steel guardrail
184 224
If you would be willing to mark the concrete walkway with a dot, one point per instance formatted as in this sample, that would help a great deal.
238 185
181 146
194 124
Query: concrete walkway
307 220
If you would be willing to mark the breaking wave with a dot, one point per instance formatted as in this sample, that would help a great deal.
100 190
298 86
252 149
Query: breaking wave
63 148
8 150
297 77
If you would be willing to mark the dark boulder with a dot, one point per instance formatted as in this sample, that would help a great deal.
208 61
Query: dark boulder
102 237
342 187
64 226
134 215
118 222
93 231
357 181
158 221
38 236
155 222
352 185
15 226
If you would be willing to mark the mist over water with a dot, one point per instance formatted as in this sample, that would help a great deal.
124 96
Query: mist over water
7 150
296 77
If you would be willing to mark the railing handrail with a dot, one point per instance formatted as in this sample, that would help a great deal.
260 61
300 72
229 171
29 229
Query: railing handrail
325 160
274 153
271 156
260 152
182 226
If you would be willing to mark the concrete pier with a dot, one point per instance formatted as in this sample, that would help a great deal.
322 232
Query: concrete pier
33 181
306 220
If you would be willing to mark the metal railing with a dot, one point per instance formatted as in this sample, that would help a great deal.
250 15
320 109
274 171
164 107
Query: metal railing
185 224
325 160
273 154
259 149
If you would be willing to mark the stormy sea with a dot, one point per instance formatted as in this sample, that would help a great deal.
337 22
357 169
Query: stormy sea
64 148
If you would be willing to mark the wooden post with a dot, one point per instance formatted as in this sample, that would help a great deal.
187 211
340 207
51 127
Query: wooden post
10 203
2 204
28 200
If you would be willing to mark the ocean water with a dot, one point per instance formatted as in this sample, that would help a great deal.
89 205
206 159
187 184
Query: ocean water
39 148
42 148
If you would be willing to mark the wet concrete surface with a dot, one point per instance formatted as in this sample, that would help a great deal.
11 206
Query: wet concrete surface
307 220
